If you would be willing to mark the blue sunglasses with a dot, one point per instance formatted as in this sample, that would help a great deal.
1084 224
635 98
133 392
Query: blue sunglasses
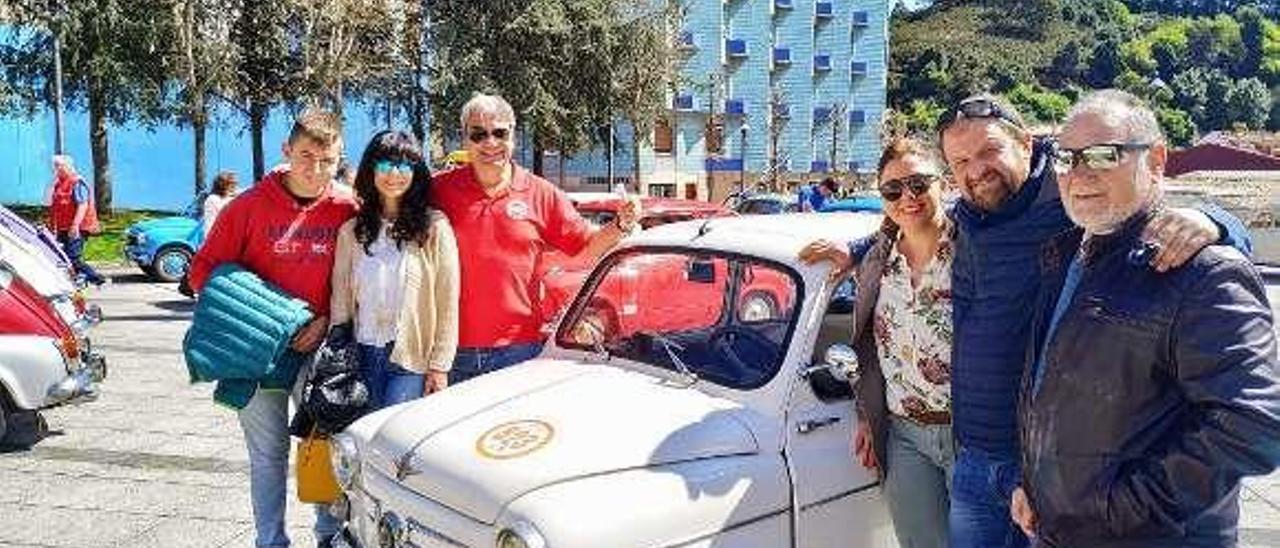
385 167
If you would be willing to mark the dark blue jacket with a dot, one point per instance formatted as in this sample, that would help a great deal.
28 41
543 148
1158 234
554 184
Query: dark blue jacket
994 284
1156 394
995 281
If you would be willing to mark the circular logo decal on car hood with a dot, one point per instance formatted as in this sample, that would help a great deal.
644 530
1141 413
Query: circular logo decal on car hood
514 439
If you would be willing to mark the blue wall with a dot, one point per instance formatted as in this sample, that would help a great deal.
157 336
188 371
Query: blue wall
150 168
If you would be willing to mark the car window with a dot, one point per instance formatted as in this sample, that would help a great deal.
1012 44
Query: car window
761 207
726 318
598 218
836 328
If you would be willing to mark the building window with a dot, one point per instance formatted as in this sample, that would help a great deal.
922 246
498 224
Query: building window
662 191
663 137
715 136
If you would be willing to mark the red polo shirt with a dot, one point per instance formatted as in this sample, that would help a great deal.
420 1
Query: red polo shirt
500 239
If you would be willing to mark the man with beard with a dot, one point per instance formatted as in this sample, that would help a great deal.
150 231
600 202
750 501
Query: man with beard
1153 394
1009 211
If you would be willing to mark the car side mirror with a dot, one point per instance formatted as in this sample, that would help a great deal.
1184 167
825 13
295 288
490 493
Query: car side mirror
842 362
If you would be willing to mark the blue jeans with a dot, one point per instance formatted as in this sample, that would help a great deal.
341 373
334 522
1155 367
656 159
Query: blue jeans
473 362
981 486
265 422
917 481
74 248
388 383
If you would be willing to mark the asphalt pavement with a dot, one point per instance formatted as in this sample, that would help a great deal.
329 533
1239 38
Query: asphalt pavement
154 462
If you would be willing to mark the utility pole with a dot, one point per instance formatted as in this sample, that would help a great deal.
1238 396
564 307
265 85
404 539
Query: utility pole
58 143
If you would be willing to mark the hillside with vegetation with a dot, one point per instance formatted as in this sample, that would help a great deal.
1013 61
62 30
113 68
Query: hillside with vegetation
1204 65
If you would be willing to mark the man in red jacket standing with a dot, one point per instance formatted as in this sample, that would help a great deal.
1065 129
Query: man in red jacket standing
73 216
284 229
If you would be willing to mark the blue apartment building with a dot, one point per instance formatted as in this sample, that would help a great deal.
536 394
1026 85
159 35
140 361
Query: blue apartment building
792 86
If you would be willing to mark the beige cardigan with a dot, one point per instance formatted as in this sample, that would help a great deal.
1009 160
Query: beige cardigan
427 328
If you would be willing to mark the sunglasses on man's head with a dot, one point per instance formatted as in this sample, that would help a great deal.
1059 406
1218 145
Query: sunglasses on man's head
918 184
1101 156
385 167
977 109
478 135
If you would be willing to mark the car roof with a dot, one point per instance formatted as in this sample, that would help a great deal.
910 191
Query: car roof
654 206
777 237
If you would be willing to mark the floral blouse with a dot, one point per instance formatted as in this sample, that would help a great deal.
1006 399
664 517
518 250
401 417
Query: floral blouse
913 332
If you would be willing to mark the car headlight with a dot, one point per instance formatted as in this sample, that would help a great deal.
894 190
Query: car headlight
521 534
345 455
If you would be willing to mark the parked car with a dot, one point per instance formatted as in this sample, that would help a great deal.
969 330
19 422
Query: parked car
853 204
52 283
560 276
39 237
722 429
43 363
767 204
163 247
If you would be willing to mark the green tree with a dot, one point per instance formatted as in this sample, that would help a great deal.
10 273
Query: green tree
1177 125
267 67
1106 63
1039 105
106 47
1215 42
1249 103
645 64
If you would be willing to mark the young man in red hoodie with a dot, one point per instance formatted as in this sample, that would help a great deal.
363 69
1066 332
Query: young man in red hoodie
284 229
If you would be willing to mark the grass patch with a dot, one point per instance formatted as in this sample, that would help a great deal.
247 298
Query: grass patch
107 247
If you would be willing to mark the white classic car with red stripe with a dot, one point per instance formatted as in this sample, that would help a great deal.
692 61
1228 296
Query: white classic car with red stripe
730 427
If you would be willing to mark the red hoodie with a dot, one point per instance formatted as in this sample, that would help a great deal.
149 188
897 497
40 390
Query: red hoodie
268 233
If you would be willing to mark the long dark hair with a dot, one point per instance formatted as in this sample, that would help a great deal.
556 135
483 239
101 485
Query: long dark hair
413 223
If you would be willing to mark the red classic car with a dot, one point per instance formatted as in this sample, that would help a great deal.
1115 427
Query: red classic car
560 276
43 361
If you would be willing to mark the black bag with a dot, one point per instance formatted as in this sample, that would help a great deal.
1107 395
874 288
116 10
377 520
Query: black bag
334 394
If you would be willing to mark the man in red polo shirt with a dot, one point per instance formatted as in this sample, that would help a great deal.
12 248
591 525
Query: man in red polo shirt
504 217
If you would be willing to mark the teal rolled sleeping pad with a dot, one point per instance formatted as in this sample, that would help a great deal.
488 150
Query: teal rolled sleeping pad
241 328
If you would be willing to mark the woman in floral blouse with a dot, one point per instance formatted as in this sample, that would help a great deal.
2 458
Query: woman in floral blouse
903 337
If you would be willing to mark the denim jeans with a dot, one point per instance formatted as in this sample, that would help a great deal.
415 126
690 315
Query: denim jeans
265 422
74 248
473 362
388 383
918 481
981 486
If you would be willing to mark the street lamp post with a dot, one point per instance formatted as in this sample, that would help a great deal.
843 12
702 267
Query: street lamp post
742 165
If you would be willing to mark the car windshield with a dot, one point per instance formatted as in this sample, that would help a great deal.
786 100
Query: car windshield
764 206
723 318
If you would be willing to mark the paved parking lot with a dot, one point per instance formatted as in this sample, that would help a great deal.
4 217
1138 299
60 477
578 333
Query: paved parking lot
155 463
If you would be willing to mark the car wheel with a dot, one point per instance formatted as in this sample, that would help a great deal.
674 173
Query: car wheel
171 264
24 429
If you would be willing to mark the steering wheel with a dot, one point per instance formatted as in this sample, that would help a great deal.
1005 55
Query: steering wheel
747 352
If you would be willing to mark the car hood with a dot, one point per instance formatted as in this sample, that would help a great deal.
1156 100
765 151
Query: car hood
166 224
480 445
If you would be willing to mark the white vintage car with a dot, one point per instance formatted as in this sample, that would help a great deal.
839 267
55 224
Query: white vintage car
684 400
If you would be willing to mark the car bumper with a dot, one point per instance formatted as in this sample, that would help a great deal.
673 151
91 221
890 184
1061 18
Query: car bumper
80 385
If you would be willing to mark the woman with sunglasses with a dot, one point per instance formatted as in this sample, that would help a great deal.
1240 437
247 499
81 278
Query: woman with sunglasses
396 275
902 335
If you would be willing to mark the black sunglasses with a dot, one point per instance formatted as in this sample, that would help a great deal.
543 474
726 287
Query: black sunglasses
1099 157
918 184
478 135
978 109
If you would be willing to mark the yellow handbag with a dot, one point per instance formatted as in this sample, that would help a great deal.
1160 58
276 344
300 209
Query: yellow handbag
316 482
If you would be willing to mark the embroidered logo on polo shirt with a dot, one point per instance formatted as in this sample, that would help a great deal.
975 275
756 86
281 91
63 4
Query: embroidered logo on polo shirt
518 210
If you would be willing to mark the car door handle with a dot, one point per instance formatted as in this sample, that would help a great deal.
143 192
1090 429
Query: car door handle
809 425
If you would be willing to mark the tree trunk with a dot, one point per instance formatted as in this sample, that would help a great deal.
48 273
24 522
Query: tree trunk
635 157
257 121
537 156
199 123
98 146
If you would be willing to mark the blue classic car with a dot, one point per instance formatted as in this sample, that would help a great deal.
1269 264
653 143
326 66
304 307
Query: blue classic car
163 247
